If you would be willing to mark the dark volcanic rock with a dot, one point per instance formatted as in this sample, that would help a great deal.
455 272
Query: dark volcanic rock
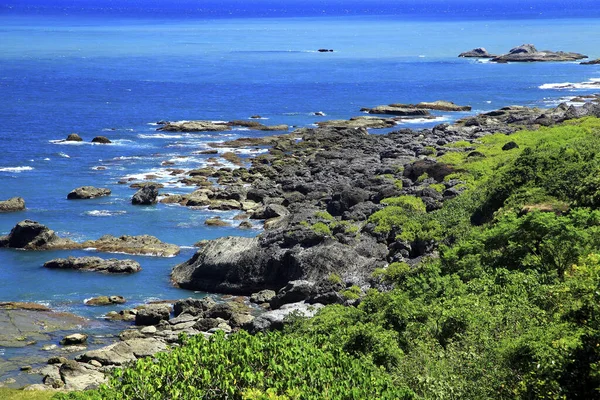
479 52
528 53
13 204
101 140
73 137
96 264
88 192
31 235
193 306
147 195
591 62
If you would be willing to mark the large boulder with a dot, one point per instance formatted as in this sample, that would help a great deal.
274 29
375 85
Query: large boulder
101 140
88 192
31 235
125 351
152 314
77 376
193 306
240 265
73 137
13 204
147 195
96 264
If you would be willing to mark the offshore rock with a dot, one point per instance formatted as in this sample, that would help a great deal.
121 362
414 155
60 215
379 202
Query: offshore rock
88 192
96 264
31 235
591 62
13 204
399 111
73 137
194 126
439 105
147 195
101 140
479 52
360 122
528 53
141 245
105 301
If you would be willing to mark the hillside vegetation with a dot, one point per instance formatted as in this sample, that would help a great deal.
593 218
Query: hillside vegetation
510 307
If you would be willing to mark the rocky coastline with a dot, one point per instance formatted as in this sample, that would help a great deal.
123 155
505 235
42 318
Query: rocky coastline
526 53
315 190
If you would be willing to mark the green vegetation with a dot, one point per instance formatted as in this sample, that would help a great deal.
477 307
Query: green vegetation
243 366
510 309
14 394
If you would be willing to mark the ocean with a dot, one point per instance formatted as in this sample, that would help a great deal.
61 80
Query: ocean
116 68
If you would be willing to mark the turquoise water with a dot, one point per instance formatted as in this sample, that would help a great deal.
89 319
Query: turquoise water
114 75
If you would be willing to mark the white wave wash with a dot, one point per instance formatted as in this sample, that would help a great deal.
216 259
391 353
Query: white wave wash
15 169
593 83
104 213
424 120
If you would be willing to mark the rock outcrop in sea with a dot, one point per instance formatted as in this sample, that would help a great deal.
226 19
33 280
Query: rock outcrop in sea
529 53
12 205
479 52
31 235
95 264
88 192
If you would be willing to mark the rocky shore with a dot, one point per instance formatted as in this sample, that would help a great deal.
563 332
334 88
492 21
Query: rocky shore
315 190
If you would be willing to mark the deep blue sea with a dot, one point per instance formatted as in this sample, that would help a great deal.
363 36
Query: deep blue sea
115 68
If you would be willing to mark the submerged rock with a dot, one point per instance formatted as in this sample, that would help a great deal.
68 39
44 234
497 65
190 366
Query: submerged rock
13 204
96 264
105 301
88 192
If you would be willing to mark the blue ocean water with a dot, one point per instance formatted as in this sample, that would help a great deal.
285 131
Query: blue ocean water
115 68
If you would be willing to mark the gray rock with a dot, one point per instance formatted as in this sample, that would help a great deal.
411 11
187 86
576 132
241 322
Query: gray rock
528 53
88 192
77 377
31 235
264 296
293 292
479 52
76 338
96 264
193 307
273 320
147 195
12 205
142 245
152 314
123 352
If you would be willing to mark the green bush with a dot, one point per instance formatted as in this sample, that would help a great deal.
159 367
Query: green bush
243 366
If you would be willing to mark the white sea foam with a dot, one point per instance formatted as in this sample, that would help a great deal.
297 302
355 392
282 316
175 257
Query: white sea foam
15 169
159 136
46 159
64 155
104 213
424 120
593 83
